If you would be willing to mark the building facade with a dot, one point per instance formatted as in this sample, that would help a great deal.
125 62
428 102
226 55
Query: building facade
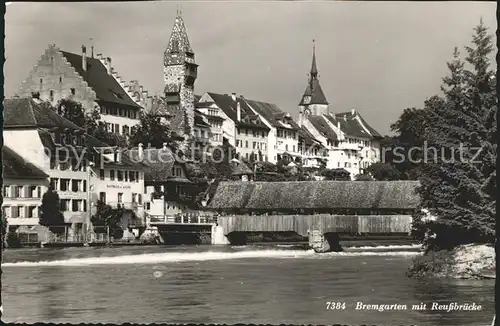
23 187
91 81
61 150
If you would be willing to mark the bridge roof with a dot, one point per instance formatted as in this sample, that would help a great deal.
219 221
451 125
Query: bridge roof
315 195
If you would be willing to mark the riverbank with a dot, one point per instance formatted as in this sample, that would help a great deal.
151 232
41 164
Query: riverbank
471 261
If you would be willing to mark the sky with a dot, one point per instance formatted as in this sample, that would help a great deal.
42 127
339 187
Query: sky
376 57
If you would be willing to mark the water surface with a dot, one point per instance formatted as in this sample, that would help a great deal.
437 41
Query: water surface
208 284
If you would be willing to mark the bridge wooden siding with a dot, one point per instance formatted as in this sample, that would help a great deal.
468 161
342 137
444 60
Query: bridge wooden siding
325 223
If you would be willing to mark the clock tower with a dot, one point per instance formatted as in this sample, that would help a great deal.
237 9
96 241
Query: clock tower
313 101
180 72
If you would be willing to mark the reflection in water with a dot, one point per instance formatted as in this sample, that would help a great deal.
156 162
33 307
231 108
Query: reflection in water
53 303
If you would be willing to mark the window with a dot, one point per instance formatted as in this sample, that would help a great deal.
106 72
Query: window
75 185
120 197
101 174
120 175
41 80
33 192
64 186
136 176
134 197
51 95
132 176
246 143
64 204
6 211
76 205
72 91
112 174
117 128
148 206
139 199
6 191
16 192
53 183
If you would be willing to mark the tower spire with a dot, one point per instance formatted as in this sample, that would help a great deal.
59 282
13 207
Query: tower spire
314 69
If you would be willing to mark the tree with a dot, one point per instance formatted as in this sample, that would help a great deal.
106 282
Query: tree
364 177
336 174
50 213
458 184
76 113
89 120
152 131
383 172
108 217
5 227
404 150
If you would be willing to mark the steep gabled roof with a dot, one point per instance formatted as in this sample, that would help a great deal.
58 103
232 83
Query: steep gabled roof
15 167
105 85
322 126
273 114
25 112
351 126
316 195
308 138
228 106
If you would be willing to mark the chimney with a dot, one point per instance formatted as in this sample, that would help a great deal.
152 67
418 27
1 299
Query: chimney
238 111
84 58
301 117
242 96
233 96
108 64
338 125
345 117
141 89
141 151
165 146
353 111
92 51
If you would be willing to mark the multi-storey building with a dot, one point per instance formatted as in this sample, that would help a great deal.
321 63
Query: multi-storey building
23 187
79 166
241 126
83 78
165 181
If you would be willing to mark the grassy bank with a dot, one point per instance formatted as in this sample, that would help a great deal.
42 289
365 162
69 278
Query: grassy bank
471 261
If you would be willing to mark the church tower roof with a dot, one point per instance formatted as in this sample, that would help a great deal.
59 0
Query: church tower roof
178 49
313 93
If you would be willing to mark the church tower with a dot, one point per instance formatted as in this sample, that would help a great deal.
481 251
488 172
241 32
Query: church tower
180 72
313 101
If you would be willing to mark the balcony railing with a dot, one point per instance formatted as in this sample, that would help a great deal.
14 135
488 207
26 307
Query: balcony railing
177 219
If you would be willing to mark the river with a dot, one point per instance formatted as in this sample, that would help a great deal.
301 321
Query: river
250 284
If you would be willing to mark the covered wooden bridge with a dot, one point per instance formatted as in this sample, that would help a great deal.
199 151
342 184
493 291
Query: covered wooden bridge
320 210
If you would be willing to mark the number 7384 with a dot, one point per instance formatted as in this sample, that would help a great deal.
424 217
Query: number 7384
332 305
